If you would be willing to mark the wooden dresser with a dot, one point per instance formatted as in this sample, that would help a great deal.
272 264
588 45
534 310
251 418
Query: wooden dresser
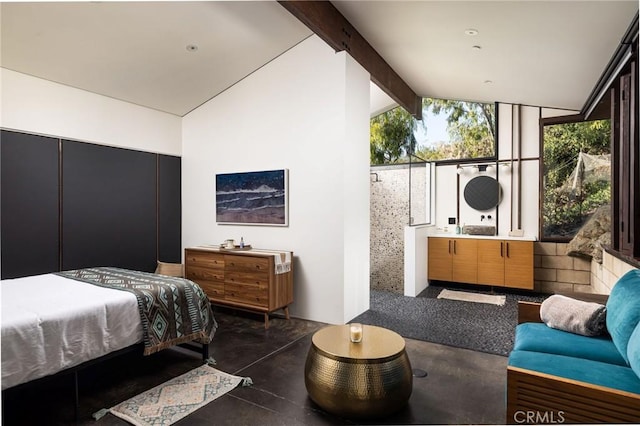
244 279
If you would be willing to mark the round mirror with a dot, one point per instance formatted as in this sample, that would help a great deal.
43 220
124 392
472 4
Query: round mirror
483 193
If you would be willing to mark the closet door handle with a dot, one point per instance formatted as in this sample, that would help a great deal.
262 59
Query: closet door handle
454 247
501 249
507 249
449 246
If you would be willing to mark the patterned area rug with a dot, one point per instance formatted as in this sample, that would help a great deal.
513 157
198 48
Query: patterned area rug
171 401
492 299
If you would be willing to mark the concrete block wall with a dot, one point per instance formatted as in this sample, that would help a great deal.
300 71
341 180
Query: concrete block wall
604 275
554 271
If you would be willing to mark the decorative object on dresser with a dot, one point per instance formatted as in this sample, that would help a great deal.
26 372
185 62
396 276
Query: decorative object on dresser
250 279
252 198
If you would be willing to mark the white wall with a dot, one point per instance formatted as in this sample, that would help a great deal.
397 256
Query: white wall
355 162
307 111
39 106
415 258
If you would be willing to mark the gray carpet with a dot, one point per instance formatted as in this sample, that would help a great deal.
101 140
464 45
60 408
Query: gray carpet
476 326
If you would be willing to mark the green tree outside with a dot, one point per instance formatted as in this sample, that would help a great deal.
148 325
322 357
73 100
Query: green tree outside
565 211
392 137
471 128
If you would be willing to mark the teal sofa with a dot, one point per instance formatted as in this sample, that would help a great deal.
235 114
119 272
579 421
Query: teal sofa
554 376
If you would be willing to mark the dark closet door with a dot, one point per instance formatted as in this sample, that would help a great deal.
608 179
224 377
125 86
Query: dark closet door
29 188
109 207
169 209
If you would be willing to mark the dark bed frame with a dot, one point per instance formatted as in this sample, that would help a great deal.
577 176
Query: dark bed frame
197 347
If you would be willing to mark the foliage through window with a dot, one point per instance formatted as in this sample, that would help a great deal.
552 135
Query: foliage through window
576 175
449 130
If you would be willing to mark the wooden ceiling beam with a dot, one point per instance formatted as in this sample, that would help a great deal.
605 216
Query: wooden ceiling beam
329 24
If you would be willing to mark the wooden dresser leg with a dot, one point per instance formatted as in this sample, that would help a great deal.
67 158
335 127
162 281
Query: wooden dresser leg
286 312
266 320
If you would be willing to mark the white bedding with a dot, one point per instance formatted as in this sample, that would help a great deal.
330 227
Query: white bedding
50 323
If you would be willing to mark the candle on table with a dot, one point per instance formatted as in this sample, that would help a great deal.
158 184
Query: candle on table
355 330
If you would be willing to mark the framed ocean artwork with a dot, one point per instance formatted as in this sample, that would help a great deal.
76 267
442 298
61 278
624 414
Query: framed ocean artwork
253 198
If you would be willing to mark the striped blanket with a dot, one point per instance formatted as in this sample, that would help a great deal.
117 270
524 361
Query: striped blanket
172 310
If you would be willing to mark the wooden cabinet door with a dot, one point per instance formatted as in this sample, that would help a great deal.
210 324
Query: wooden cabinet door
491 262
465 261
439 259
518 266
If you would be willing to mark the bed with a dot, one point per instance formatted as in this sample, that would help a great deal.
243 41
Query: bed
54 322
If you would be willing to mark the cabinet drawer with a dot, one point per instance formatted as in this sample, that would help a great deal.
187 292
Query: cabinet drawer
198 273
260 279
249 294
213 289
204 259
247 263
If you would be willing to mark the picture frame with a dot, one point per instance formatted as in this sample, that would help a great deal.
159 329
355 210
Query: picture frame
253 198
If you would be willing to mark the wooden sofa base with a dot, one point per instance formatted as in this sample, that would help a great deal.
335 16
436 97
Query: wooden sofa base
538 398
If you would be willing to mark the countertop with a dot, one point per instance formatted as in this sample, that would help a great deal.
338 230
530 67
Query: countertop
442 234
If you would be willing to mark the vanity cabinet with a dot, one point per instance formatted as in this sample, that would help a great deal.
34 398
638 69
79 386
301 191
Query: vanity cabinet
495 262
505 263
247 280
453 259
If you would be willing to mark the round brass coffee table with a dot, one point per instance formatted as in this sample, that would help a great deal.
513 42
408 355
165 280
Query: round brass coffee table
372 378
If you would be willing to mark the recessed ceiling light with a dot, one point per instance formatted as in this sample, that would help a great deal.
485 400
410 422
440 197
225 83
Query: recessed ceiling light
192 47
488 81
471 32
476 47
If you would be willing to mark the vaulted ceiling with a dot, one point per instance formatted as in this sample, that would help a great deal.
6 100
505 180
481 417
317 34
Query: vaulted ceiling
174 56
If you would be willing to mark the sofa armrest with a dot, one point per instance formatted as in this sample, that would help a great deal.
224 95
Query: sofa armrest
554 399
528 312
587 297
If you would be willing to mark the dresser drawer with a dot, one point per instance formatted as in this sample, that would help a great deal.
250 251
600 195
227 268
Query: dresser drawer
260 279
212 289
199 273
249 294
204 259
247 263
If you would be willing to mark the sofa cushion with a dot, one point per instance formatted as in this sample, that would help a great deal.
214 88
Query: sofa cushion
623 310
583 370
537 337
633 350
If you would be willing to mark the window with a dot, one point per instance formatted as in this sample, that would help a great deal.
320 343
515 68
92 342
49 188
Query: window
576 174
457 130
450 130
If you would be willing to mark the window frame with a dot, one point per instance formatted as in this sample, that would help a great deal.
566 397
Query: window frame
552 121
625 233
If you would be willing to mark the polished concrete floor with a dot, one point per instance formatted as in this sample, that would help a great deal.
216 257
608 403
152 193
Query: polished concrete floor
462 386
